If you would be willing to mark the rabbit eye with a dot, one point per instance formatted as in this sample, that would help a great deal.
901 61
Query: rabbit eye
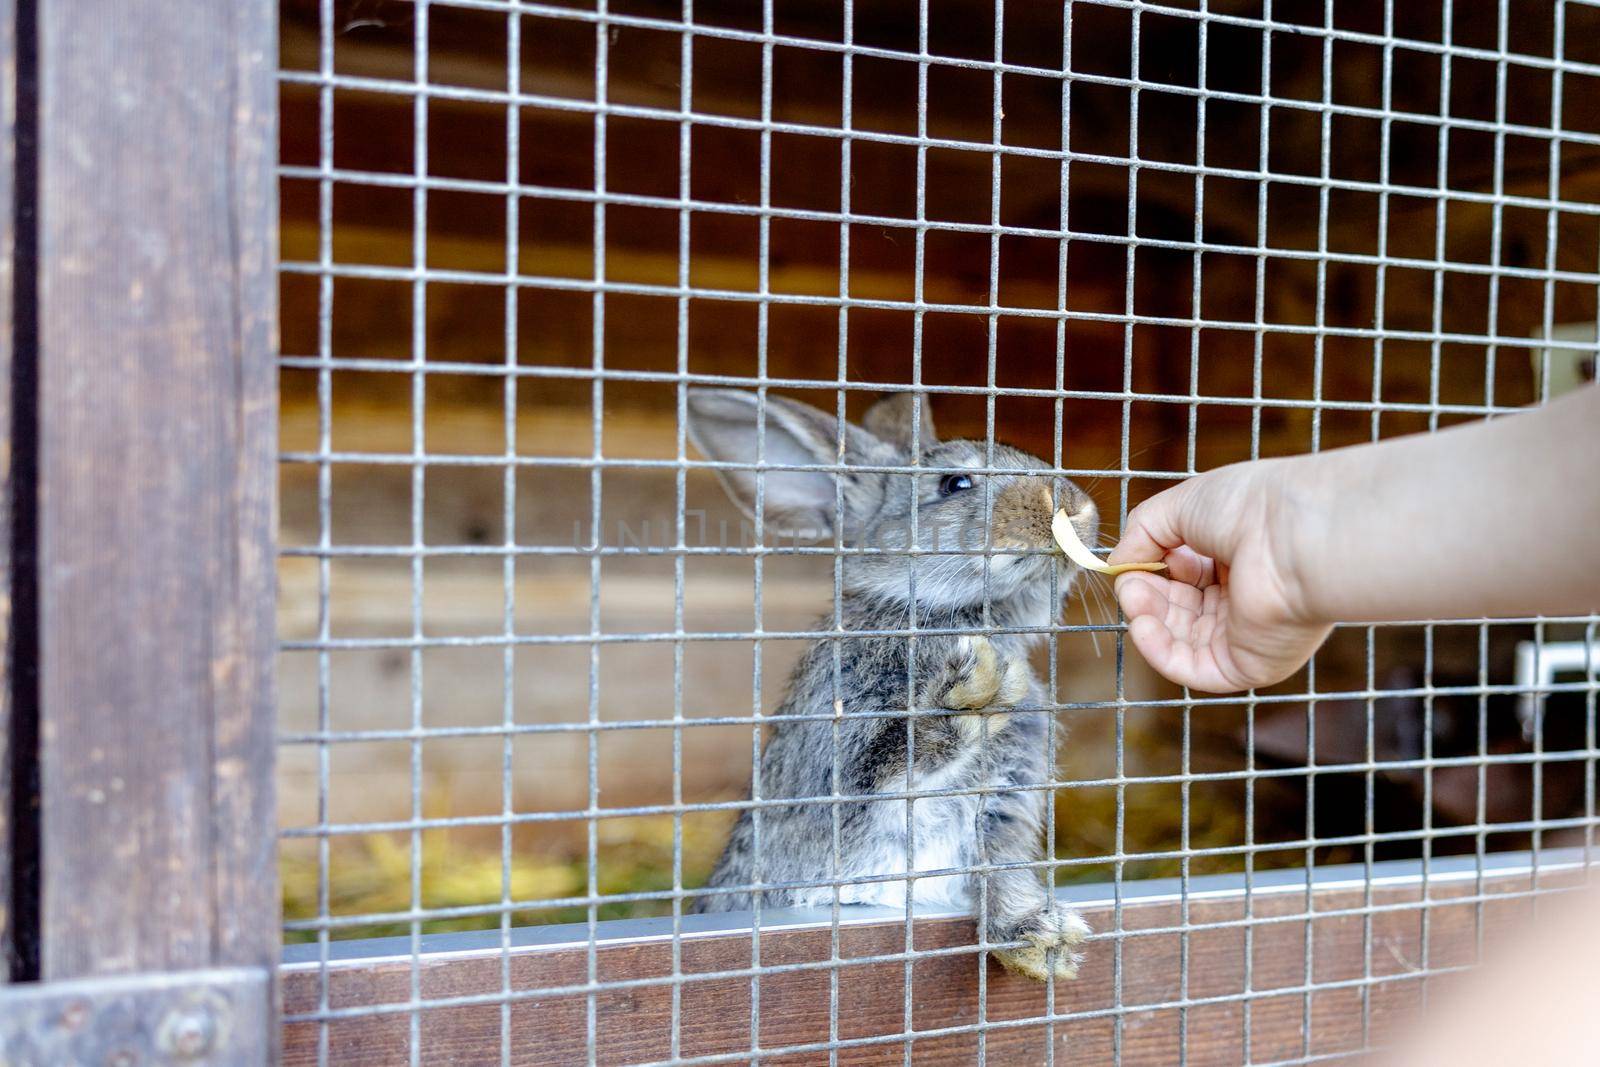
954 483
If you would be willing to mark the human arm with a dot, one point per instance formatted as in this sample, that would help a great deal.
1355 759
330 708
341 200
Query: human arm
1488 519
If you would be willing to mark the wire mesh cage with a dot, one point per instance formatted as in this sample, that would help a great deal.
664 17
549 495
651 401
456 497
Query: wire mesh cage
552 273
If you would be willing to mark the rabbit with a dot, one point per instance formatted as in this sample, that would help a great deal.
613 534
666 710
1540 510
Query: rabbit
983 744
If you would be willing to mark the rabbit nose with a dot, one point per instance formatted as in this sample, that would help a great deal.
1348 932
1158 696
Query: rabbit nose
1022 512
1078 505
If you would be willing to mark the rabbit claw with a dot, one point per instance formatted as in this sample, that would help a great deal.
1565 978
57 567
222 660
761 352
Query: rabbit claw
1058 930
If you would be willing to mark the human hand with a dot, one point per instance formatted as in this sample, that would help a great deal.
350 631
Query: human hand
1230 612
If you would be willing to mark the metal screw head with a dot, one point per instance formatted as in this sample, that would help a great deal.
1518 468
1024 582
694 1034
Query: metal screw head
188 1032
74 1015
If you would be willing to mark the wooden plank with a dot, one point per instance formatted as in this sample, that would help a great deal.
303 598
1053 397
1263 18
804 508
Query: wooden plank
633 1022
156 219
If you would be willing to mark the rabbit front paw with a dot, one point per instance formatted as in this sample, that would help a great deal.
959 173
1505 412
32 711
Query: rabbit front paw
1059 929
983 679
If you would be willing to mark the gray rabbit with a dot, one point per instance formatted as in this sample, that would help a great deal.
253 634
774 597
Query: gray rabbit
971 740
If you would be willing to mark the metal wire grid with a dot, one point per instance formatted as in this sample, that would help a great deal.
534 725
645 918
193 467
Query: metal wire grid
325 269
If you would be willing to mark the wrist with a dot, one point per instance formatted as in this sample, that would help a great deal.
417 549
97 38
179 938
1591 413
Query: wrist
1298 502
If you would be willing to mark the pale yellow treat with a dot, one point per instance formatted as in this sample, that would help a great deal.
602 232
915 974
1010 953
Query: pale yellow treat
1078 552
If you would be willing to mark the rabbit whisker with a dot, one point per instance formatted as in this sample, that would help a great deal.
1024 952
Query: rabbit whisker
1092 587
1093 483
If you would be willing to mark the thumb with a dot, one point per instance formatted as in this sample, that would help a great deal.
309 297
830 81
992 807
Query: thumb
1202 513
1153 528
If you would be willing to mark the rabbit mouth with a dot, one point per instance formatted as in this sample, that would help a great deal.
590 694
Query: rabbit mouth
1014 548
1025 561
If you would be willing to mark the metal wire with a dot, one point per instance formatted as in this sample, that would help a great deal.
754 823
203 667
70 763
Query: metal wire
1143 398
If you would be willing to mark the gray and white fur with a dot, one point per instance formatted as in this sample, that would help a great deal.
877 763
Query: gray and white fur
946 710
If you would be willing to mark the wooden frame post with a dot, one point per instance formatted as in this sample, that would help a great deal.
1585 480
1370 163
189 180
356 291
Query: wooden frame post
157 305
147 336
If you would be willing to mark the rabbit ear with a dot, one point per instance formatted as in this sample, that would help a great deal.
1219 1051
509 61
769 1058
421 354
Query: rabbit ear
724 425
890 421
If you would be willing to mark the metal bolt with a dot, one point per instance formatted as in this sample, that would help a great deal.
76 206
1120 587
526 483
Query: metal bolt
74 1015
188 1032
